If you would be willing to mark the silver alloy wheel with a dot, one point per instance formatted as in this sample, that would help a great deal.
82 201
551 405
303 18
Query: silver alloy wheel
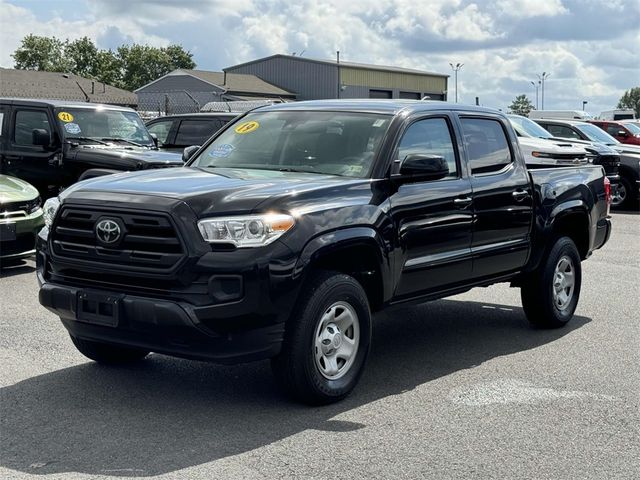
336 340
564 281
618 194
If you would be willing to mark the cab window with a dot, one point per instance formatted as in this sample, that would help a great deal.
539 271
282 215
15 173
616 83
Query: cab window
26 121
430 136
161 130
487 145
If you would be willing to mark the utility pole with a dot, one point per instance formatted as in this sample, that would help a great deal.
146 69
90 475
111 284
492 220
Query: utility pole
536 85
542 78
338 67
584 102
456 68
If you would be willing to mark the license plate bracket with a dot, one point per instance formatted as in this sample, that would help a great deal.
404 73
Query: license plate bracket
98 308
7 232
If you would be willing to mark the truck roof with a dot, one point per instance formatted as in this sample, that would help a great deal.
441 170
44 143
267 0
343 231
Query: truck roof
390 107
39 102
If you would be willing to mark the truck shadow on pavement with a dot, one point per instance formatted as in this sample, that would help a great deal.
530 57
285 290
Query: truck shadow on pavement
166 414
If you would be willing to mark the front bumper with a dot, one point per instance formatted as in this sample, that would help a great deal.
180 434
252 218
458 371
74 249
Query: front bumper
221 306
26 231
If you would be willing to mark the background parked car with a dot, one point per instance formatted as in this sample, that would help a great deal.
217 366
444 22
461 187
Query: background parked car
52 144
20 218
627 192
623 131
176 132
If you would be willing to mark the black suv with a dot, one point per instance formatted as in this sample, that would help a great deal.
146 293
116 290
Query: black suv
176 132
53 144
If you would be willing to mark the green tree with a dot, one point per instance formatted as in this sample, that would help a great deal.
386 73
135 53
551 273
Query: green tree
521 105
129 67
631 100
41 53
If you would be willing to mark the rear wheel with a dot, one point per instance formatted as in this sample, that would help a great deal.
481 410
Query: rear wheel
107 353
550 294
326 341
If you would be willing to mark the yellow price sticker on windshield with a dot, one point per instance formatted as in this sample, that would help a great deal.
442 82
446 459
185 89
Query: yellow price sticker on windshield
247 127
65 116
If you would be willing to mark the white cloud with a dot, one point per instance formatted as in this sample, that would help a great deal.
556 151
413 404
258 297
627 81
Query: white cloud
589 46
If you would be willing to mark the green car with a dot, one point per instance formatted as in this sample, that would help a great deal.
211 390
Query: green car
20 218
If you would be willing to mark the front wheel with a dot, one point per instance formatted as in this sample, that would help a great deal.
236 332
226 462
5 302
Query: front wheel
326 341
550 294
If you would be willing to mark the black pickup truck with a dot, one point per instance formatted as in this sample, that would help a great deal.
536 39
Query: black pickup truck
53 144
294 223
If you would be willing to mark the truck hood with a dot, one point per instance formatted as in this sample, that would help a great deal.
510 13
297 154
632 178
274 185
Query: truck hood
132 154
220 190
626 148
550 146
15 190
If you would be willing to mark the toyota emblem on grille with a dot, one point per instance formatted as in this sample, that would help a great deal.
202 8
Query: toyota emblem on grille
108 231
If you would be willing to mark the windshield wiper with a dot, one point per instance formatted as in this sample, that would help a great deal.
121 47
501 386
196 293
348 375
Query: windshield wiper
130 142
88 139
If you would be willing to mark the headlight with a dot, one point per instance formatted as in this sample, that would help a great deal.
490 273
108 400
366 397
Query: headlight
541 155
50 208
245 230
34 205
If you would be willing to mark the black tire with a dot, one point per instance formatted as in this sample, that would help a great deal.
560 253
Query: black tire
627 192
537 292
296 368
106 353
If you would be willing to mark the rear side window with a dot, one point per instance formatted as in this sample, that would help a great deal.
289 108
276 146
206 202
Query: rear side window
487 145
161 130
430 136
196 132
26 122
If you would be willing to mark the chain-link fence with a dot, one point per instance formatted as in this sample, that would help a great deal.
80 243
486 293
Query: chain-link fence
152 105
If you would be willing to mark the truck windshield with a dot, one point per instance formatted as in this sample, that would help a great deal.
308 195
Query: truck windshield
334 143
596 134
528 128
103 125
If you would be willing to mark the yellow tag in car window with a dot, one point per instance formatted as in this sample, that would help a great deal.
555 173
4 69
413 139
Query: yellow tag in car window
65 116
247 127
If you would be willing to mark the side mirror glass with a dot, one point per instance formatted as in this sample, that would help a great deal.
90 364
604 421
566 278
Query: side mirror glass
425 167
188 152
41 137
622 133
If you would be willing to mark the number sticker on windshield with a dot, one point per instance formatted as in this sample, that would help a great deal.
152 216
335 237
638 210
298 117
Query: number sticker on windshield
247 127
65 116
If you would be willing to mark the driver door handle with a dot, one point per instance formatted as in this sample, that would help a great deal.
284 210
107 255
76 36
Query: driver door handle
462 202
520 195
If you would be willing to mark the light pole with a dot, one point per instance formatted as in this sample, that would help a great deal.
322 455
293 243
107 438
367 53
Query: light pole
456 68
584 102
542 78
536 85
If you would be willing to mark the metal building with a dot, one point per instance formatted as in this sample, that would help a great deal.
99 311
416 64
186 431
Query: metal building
314 79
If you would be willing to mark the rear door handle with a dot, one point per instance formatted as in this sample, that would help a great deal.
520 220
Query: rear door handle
462 202
520 195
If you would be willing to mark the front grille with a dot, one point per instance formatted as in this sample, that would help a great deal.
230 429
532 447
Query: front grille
149 241
610 163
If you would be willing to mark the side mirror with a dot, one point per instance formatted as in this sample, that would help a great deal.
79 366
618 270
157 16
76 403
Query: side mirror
154 137
188 152
41 137
425 167
622 133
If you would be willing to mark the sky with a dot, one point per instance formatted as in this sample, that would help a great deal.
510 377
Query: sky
590 48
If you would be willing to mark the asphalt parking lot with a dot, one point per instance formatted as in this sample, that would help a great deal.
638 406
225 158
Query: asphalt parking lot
459 388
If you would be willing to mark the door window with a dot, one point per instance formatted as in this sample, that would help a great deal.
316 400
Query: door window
430 136
487 146
26 122
614 130
561 131
161 130
195 132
